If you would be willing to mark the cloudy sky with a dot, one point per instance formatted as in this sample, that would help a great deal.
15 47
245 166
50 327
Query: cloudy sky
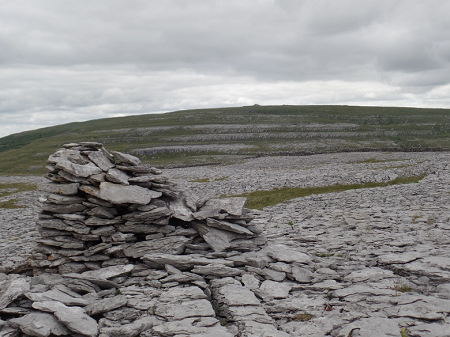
75 60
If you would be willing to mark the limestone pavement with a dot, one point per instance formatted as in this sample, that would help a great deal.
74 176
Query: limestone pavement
366 262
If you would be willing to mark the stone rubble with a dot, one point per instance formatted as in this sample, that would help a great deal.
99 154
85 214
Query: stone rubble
365 262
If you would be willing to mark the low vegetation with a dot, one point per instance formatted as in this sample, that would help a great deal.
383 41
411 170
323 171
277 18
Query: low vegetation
11 188
10 204
266 198
226 135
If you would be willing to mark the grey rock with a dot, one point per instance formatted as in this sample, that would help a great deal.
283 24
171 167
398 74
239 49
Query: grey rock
57 295
80 169
276 289
102 160
95 221
106 304
98 178
219 240
62 226
149 178
215 269
199 327
430 329
39 324
180 210
228 226
185 309
368 274
302 275
168 245
66 176
103 212
233 294
74 318
149 216
181 262
399 258
130 330
12 289
63 189
119 194
97 248
232 206
286 254
117 176
250 281
63 208
108 272
254 329
124 158
64 199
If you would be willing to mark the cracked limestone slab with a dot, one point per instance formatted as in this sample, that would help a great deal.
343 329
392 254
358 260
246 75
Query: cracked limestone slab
185 309
74 318
284 253
12 289
40 324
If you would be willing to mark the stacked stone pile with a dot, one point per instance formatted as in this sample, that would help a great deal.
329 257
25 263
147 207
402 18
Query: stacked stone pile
106 209
123 252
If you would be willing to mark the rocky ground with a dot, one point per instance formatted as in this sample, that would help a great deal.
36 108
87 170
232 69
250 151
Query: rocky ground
368 262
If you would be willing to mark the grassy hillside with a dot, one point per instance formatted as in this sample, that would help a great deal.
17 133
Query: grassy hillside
227 134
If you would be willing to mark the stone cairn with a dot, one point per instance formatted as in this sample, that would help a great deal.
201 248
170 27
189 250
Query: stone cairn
124 252
108 209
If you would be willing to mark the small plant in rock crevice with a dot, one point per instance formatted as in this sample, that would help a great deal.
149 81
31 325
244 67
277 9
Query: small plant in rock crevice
303 317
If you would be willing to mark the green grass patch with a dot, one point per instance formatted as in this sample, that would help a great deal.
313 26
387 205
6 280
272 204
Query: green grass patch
200 180
10 204
404 288
373 161
11 188
261 199
303 317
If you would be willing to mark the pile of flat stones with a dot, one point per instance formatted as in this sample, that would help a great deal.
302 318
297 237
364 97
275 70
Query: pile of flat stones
123 252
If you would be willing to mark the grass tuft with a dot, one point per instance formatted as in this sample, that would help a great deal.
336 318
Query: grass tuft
11 188
303 317
266 198
10 204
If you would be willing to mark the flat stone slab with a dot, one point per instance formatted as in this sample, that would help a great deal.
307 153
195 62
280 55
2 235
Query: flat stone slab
181 262
167 245
120 194
124 158
276 289
109 272
228 226
103 161
215 269
106 304
286 254
64 189
57 295
40 324
12 289
233 294
74 318
185 309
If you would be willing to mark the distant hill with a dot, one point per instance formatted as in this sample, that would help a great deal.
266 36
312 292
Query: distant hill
223 135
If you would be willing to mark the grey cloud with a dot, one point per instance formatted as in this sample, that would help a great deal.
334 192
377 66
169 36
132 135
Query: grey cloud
86 59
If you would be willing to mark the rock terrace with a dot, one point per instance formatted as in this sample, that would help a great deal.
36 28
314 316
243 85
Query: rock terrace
364 262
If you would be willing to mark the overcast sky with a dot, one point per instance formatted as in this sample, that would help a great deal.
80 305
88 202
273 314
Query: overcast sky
64 61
